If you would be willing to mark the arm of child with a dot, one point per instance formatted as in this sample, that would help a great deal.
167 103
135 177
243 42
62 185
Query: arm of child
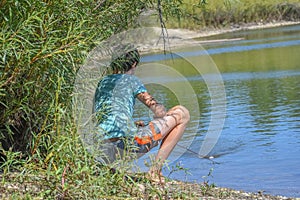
157 108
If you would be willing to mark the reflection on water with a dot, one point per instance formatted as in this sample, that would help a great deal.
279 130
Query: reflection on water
260 144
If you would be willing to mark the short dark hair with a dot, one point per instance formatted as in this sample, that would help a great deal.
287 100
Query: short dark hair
125 61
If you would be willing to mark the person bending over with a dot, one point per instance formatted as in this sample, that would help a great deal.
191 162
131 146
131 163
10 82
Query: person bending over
114 106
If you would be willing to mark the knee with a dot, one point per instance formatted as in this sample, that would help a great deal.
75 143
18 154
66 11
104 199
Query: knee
181 113
185 114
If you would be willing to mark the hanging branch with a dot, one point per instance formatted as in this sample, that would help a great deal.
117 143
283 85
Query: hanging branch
164 32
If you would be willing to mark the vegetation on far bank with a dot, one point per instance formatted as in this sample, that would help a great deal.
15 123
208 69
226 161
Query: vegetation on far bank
43 44
232 13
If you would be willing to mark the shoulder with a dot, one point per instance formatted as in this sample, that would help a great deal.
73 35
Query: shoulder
111 78
132 78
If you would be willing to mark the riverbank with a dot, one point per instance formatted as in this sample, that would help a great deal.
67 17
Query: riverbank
172 189
176 38
202 191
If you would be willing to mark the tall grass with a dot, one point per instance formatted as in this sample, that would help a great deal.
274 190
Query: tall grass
226 13
42 46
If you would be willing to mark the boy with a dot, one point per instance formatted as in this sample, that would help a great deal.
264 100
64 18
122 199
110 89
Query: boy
114 103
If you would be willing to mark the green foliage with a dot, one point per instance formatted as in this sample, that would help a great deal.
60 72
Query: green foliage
206 187
42 45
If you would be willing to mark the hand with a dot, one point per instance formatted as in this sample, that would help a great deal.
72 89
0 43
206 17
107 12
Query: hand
139 123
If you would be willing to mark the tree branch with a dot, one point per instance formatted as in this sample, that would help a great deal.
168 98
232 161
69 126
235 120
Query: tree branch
164 32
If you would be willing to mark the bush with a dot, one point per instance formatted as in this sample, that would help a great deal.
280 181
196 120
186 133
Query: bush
42 45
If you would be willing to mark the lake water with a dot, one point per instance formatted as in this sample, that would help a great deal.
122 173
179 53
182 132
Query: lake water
259 145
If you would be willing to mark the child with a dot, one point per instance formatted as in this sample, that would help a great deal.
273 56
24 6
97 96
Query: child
114 103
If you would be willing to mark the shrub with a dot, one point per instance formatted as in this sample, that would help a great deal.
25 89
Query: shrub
42 45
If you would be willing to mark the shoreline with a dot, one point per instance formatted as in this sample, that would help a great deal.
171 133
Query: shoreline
192 34
177 38
215 192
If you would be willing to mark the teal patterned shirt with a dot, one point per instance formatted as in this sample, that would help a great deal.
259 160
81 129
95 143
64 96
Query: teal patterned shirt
114 102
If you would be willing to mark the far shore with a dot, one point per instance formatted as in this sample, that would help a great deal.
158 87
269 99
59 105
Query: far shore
192 34
176 38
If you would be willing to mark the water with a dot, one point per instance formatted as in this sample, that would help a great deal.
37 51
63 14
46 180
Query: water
259 146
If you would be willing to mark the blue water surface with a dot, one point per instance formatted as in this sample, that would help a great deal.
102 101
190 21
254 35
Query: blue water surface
259 148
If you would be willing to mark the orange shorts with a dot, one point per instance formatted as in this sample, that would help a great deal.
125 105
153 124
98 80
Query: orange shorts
146 138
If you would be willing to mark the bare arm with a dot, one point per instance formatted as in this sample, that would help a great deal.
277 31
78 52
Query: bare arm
157 108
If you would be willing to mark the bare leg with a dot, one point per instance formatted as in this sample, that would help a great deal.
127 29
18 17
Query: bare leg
172 127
